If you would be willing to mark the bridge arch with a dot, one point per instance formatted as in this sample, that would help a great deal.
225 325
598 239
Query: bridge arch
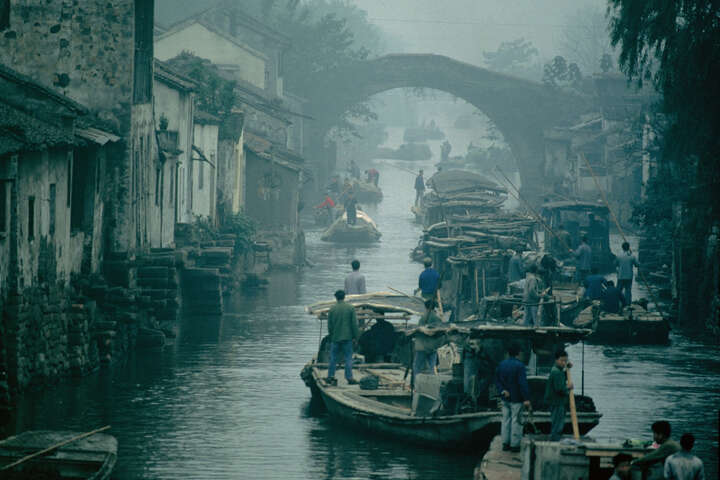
521 109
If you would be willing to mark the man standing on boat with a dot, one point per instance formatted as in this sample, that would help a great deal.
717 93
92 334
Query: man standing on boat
425 352
429 280
531 296
351 209
355 281
419 188
343 331
557 391
625 263
511 382
583 260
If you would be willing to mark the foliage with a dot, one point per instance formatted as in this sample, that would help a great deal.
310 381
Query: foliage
675 45
560 73
584 40
245 229
215 94
511 57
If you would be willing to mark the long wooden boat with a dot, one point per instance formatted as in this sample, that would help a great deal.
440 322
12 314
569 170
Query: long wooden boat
91 458
387 410
364 231
634 326
366 192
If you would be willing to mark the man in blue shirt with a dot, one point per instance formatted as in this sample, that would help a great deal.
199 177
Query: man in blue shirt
594 285
511 382
429 280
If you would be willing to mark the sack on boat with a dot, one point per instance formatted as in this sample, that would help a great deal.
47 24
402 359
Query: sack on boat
369 382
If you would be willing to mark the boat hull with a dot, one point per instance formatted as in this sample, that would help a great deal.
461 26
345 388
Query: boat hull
468 431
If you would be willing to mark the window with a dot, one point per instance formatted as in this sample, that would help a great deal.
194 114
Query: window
201 175
157 186
31 218
79 191
4 190
69 178
143 71
4 14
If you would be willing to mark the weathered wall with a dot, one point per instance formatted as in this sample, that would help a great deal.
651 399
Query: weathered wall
231 168
177 106
82 49
247 64
272 192
205 175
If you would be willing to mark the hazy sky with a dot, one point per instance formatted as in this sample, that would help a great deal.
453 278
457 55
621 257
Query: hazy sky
464 28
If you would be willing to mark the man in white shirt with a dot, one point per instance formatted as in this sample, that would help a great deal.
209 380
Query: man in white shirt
355 281
683 465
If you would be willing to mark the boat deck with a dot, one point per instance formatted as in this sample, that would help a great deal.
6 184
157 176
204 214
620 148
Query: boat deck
497 464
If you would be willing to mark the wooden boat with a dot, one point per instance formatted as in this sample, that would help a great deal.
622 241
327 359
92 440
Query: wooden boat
91 458
388 410
364 231
634 325
366 192
540 459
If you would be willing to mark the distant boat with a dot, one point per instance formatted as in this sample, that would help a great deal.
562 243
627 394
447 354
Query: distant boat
364 231
91 458
366 192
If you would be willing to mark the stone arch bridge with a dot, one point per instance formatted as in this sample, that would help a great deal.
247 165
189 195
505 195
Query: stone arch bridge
521 109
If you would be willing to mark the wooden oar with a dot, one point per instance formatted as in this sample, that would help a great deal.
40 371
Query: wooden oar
573 410
54 447
409 296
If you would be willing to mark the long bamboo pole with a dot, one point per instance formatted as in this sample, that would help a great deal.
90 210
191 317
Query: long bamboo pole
622 233
573 410
532 211
54 447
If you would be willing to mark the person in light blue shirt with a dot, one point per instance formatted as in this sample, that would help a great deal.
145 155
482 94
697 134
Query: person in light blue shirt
583 260
625 262
683 465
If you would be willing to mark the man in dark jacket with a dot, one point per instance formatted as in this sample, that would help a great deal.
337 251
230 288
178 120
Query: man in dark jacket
343 331
511 382
557 391
594 285
419 188
612 298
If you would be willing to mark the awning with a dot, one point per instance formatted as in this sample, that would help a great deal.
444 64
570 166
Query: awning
96 135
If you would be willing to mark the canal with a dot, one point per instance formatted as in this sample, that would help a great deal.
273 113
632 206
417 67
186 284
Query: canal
226 401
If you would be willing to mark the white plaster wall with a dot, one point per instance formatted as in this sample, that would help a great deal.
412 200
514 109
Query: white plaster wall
204 43
206 139
177 107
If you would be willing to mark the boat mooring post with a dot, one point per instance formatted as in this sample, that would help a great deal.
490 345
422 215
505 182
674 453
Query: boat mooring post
582 370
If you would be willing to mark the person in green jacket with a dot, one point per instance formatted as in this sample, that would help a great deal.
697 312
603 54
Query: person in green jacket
426 357
557 390
343 331
666 447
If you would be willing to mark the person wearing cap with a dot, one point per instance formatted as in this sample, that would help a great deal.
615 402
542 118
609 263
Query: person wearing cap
621 464
429 280
343 331
419 188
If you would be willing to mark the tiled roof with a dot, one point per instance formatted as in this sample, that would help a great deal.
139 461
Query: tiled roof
21 131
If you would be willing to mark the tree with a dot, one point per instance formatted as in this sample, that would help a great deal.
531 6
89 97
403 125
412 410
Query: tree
512 57
558 73
674 45
585 38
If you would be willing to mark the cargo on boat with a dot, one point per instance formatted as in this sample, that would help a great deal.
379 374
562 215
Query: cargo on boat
364 230
448 410
635 325
91 458
542 459
366 192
